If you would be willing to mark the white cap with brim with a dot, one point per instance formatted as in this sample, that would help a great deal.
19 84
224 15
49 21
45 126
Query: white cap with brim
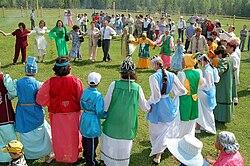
94 78
187 150
181 16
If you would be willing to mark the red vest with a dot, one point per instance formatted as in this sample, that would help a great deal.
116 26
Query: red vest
64 94
7 115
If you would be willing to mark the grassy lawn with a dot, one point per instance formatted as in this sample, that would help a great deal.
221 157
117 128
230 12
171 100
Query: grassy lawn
110 72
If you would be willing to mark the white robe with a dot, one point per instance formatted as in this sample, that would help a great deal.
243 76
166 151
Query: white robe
40 43
160 132
116 152
206 115
186 127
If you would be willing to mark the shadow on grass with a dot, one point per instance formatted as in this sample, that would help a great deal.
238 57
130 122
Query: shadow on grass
220 126
243 93
108 66
10 64
144 71
53 61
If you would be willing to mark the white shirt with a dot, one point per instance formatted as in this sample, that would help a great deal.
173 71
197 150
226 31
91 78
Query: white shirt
105 32
84 20
181 24
178 89
112 20
209 79
142 101
130 21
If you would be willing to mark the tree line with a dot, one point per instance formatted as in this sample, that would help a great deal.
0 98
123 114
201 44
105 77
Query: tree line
220 7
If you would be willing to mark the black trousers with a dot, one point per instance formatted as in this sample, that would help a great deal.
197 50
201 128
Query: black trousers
187 44
105 49
32 24
89 147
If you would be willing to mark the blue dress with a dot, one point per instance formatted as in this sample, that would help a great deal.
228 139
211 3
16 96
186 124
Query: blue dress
165 110
35 132
176 62
92 105
211 94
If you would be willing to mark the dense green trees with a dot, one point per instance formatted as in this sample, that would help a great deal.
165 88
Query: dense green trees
227 7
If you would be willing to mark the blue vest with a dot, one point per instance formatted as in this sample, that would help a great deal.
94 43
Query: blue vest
164 110
29 115
211 94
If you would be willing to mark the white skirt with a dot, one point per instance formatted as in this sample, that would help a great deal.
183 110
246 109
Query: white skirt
184 127
115 152
159 133
206 115
37 143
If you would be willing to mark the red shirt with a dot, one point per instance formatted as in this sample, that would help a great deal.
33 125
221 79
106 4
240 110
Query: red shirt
210 27
97 18
21 37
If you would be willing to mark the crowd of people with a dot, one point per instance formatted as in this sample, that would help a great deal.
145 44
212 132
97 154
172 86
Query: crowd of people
202 78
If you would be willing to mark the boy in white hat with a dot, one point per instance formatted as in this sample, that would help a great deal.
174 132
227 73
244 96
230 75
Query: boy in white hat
15 149
92 104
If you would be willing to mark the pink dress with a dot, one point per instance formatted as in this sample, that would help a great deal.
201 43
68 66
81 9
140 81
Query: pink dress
226 159
62 96
70 21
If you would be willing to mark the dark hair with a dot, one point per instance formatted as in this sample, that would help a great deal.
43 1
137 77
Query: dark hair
164 79
75 27
62 70
41 21
214 33
204 58
129 75
58 22
221 50
210 39
22 25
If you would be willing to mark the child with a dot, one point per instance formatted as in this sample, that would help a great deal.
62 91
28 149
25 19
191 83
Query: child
144 54
92 105
15 149
157 30
176 63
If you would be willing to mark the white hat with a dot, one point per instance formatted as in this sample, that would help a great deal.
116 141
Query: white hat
94 78
181 16
187 150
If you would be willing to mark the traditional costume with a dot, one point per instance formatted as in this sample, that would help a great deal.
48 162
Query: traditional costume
214 58
92 105
176 62
59 36
62 96
207 98
188 104
161 119
120 128
7 116
166 42
224 110
127 48
35 132
144 54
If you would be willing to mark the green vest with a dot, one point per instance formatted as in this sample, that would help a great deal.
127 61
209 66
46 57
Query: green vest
188 106
144 52
121 122
165 48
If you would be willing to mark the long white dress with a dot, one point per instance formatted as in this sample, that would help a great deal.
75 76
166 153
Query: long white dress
185 127
161 131
40 43
206 116
116 152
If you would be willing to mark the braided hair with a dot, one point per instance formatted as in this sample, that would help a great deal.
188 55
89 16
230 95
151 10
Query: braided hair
156 60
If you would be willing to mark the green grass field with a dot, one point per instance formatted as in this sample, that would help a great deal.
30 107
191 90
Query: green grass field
110 72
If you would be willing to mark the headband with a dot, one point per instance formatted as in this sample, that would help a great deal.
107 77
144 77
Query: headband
62 64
